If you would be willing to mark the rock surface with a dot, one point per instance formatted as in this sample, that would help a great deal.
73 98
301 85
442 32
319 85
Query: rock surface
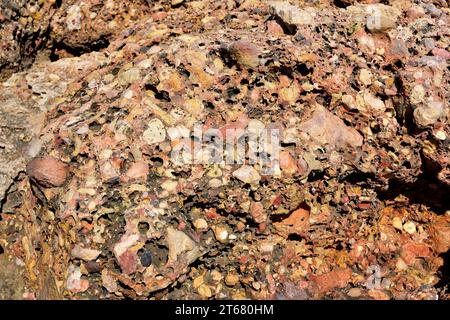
224 150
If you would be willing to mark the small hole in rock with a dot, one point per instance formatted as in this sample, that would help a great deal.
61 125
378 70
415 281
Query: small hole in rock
303 69
143 227
159 253
294 237
157 161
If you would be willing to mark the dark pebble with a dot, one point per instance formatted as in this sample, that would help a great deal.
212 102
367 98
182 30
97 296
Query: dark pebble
92 267
146 259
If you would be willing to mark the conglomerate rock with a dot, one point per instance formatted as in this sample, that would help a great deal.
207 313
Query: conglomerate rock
350 203
65 28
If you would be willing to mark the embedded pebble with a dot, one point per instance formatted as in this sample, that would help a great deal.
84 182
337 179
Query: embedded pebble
245 53
48 171
428 113
155 132
85 254
247 174
409 227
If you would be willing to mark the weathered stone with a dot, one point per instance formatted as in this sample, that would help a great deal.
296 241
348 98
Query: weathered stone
48 171
326 128
85 254
428 114
245 53
155 132
291 14
247 174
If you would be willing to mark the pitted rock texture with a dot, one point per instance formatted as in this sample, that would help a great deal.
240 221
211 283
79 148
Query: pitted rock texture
361 107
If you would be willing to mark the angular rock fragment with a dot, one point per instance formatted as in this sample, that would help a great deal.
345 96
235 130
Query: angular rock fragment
428 114
379 22
137 170
125 255
296 223
74 281
327 129
440 232
181 244
247 174
221 233
336 278
155 132
85 254
291 14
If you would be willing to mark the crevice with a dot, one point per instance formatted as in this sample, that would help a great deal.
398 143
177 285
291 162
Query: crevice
159 94
28 50
444 272
316 175
426 190
4 197
95 46
289 29
358 177
341 4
